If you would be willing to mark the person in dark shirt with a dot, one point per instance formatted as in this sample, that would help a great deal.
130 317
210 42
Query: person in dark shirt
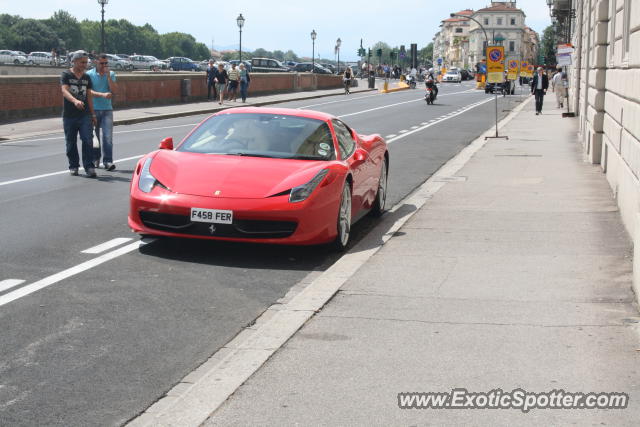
78 116
221 78
211 86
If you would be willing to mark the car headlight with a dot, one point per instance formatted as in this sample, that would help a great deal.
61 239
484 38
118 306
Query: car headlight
146 182
302 192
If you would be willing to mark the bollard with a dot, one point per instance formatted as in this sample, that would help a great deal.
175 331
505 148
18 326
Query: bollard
372 82
185 89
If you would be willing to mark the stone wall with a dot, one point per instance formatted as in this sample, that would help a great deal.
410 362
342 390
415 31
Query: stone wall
40 96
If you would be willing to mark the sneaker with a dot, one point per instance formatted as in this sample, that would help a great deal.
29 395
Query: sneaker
96 164
109 166
91 172
73 171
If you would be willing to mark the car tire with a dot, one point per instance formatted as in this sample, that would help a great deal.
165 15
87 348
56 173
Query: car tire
118 66
343 224
16 62
381 196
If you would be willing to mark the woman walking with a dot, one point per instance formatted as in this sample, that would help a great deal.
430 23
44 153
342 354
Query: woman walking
221 78
245 79
346 79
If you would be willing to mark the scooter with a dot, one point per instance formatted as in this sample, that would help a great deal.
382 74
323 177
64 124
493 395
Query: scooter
430 94
411 81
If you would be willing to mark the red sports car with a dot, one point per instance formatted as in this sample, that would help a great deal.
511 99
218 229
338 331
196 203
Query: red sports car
269 175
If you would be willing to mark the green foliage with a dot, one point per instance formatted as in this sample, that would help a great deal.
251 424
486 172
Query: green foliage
67 29
32 35
547 52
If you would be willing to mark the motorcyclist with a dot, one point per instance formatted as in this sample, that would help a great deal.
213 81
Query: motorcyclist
431 76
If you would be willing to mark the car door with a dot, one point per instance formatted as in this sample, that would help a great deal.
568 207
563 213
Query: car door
347 148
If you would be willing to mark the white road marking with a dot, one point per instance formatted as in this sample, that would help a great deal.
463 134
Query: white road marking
107 245
15 181
115 133
55 278
403 131
341 100
10 283
390 136
469 107
414 127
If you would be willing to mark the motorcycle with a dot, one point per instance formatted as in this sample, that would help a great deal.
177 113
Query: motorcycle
411 81
430 94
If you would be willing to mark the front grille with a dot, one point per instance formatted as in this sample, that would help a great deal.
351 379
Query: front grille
248 229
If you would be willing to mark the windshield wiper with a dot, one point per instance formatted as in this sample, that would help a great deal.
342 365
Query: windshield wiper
306 157
251 155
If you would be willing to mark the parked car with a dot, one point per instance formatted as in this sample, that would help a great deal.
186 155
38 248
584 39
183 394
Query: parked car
117 63
247 64
12 57
266 65
305 67
40 58
145 62
330 67
299 177
179 63
465 74
289 64
452 76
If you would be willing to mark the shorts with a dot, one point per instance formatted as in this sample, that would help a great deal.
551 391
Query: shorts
220 87
233 84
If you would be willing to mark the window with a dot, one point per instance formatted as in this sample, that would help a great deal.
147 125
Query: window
626 30
612 29
499 21
512 46
458 30
486 21
345 140
513 21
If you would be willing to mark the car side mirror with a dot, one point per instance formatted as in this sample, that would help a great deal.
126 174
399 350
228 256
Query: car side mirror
166 144
360 156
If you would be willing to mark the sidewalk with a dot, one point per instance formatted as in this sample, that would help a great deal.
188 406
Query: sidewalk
37 127
515 274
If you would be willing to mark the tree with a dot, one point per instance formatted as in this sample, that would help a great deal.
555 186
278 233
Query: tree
67 29
426 54
548 46
32 35
7 37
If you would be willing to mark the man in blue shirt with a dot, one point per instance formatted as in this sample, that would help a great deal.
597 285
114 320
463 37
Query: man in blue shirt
104 85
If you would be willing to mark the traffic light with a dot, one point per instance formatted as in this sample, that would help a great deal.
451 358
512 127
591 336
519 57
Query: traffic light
379 53
361 52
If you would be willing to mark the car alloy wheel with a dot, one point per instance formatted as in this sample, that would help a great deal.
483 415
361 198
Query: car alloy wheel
381 197
344 219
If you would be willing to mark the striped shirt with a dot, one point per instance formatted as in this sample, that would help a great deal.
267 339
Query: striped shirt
234 75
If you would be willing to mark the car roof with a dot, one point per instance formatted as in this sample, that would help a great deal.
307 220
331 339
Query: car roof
310 114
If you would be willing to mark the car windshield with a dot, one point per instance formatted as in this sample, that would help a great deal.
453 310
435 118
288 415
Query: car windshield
262 135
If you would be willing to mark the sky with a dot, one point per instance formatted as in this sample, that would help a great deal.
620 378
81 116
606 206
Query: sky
280 25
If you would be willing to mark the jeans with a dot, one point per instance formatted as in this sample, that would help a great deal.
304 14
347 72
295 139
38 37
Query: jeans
244 86
104 122
539 93
73 125
211 87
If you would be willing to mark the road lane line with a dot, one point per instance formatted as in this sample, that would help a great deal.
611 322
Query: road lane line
15 181
469 107
31 178
8 144
10 283
390 136
341 100
107 245
55 278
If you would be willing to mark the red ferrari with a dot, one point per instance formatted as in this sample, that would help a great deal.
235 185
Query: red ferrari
269 175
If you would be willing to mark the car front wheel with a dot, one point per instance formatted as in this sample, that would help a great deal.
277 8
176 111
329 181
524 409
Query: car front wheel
343 226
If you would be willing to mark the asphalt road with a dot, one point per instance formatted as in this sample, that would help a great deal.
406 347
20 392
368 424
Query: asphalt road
110 332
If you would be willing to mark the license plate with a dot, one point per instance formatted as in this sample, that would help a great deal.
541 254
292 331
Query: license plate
215 216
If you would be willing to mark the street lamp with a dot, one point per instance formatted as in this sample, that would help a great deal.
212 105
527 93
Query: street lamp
313 51
338 43
102 3
240 21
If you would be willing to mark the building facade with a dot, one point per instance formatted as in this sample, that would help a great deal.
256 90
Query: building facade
504 25
451 43
604 93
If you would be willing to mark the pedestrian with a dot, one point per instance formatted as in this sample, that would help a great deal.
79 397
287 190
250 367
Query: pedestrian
245 80
346 78
539 86
221 78
104 86
211 85
557 85
77 113
234 77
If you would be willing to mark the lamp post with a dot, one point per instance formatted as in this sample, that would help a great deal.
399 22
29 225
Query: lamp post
313 50
102 3
338 43
240 21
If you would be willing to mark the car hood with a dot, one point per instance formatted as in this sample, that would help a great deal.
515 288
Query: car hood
231 176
